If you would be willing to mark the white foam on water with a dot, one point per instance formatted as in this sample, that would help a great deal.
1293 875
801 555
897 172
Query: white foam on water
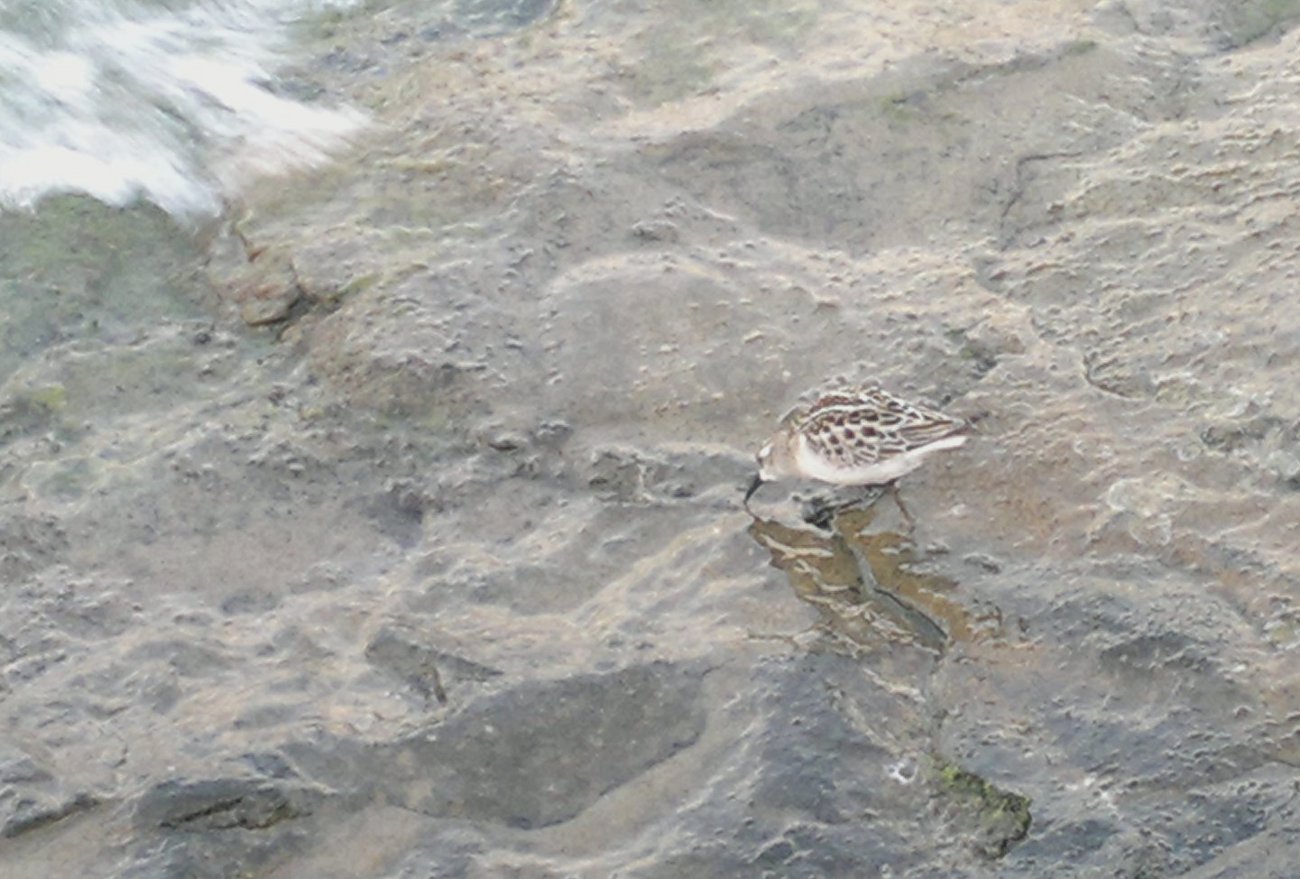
174 106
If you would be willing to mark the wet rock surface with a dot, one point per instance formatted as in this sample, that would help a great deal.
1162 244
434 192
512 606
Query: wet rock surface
390 526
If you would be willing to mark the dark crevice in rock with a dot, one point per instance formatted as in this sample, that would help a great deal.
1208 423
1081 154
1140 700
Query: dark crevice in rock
38 817
222 804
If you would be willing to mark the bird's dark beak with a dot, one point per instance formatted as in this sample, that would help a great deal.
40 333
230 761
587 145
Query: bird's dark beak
753 487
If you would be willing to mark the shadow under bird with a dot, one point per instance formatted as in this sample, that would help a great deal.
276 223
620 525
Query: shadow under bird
858 436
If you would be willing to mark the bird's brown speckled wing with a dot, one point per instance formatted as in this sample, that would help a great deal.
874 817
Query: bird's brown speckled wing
842 431
917 425
861 426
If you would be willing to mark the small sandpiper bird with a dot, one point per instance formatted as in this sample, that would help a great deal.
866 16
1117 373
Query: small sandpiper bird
856 436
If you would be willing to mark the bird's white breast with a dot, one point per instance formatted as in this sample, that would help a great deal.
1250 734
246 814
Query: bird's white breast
814 466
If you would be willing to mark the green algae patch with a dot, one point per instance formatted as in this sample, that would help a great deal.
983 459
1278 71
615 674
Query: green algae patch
77 270
1075 48
997 819
354 286
31 410
49 397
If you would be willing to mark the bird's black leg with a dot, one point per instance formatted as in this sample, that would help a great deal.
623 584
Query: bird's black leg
753 487
892 487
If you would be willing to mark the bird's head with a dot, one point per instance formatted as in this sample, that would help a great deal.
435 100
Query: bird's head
775 461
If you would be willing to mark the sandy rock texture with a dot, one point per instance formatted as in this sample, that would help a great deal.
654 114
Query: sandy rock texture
390 527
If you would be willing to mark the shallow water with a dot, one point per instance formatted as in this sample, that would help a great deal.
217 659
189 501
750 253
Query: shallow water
389 524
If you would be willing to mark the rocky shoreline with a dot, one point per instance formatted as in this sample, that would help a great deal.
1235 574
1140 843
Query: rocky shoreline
390 526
